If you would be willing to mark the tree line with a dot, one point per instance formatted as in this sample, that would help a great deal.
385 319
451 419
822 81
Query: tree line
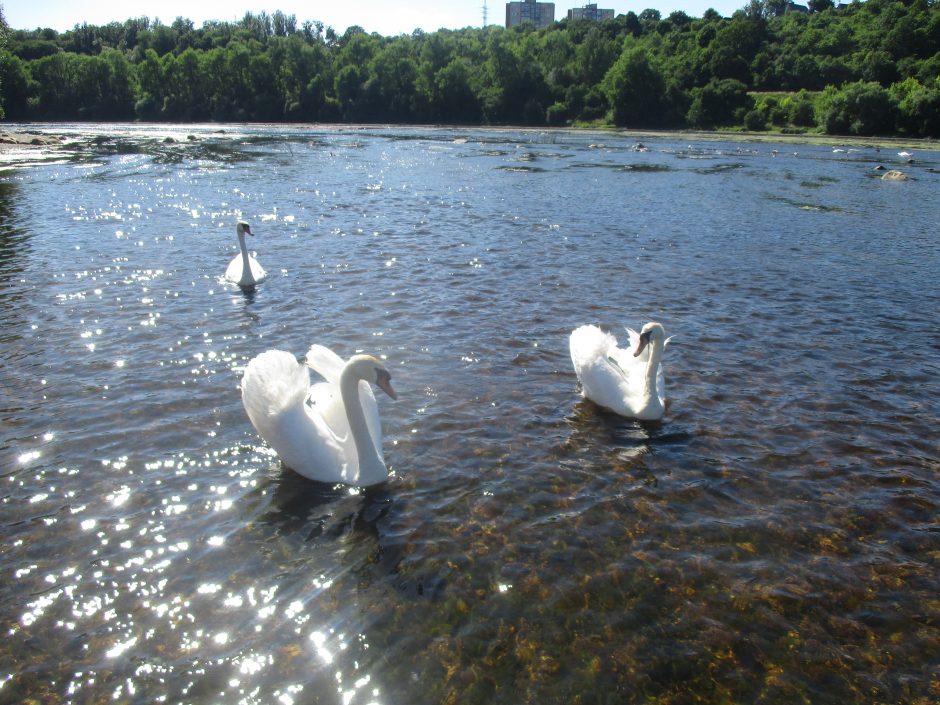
864 68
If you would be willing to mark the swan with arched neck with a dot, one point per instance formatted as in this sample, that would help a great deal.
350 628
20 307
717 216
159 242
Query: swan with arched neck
330 431
628 382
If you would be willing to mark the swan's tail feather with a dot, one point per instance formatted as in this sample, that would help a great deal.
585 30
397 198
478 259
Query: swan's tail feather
274 382
325 362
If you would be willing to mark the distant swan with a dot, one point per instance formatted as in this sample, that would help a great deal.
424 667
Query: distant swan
244 269
329 432
628 383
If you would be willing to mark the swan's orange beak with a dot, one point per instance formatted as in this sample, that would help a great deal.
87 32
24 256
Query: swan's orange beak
386 386
644 341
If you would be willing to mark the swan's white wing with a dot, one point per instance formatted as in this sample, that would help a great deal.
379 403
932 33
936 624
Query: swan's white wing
257 271
326 363
273 381
234 270
306 444
587 344
630 366
604 383
274 390
326 399
602 378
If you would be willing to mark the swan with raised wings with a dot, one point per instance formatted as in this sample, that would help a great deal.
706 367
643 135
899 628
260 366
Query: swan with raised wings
330 431
244 269
628 383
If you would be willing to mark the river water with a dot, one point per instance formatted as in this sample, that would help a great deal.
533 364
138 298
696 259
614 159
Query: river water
774 539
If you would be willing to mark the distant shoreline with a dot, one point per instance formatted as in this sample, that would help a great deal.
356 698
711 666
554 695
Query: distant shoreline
27 143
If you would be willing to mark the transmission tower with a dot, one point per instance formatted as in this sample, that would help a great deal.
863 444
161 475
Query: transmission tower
484 14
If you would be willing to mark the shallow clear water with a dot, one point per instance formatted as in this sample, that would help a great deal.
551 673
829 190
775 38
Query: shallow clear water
774 539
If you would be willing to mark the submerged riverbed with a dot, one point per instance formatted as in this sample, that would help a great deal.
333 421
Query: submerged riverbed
774 539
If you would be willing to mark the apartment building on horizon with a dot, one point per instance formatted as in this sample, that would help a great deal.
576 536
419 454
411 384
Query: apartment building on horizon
590 12
540 14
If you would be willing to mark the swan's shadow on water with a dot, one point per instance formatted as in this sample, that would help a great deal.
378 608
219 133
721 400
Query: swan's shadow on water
325 512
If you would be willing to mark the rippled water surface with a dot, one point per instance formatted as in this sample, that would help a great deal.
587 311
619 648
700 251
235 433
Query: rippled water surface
775 539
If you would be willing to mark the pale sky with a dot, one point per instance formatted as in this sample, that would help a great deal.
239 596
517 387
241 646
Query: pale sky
387 17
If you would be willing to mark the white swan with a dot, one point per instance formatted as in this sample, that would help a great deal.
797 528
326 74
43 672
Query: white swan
329 432
628 383
244 269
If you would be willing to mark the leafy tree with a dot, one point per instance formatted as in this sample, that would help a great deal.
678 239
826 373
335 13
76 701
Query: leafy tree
918 107
184 85
455 100
635 89
721 102
860 108
348 86
14 87
594 56
800 109
393 83
149 105
36 49
755 121
56 81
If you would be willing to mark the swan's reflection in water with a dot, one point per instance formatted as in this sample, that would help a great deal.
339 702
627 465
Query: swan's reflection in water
593 427
249 293
320 510
601 441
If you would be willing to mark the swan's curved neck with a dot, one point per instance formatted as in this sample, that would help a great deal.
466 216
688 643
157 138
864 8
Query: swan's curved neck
652 368
371 467
246 261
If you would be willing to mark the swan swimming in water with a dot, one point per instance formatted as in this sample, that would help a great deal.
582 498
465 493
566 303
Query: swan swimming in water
628 383
329 432
244 269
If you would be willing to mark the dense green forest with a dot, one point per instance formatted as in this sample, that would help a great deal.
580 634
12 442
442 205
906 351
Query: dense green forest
865 68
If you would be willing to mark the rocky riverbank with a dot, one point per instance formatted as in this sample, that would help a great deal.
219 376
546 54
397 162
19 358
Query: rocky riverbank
32 139
19 148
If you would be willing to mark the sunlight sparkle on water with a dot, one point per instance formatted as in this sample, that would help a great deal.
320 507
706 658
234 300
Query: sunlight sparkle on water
319 643
120 648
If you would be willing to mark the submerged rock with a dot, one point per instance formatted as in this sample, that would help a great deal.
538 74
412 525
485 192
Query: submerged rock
894 175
